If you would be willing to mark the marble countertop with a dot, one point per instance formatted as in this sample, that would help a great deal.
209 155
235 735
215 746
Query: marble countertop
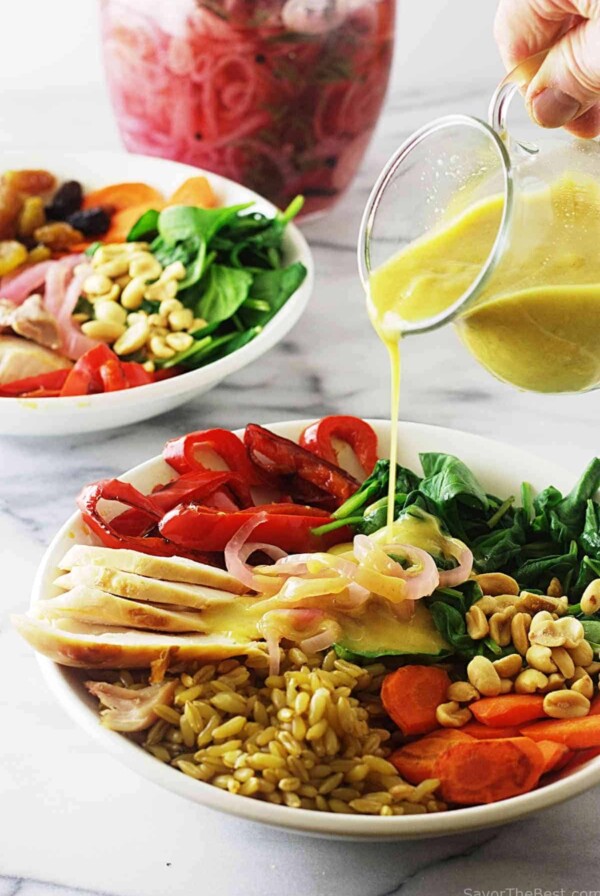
72 820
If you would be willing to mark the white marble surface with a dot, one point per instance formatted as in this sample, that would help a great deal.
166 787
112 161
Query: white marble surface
71 816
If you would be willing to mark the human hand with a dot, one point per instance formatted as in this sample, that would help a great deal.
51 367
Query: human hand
566 89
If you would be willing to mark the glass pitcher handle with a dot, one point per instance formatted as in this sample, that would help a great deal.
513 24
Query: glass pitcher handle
516 79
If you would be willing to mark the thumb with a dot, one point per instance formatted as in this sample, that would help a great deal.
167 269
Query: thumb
568 83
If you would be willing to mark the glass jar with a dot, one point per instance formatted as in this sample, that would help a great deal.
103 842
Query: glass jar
499 236
280 96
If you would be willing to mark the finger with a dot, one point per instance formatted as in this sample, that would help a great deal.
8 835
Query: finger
568 83
523 28
587 125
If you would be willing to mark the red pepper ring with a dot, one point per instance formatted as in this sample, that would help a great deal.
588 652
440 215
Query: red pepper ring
282 457
181 453
359 435
288 526
197 486
125 493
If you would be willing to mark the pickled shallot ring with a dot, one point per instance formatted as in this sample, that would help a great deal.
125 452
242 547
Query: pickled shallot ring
451 577
238 550
298 625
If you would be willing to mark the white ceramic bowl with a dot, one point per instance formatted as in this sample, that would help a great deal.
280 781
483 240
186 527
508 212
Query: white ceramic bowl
501 469
62 416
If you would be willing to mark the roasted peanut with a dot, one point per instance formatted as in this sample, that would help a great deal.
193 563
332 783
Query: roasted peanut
582 655
181 320
477 624
143 264
484 677
500 626
159 347
549 632
179 342
535 603
540 658
161 290
490 604
450 715
506 685
462 692
556 682
530 681
96 284
509 666
564 661
593 668
554 589
104 330
590 599
566 704
583 684
110 311
133 339
495 583
114 267
519 628
133 294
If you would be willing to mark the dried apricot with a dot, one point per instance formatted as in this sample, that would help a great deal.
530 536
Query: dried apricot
12 254
58 235
10 206
31 217
30 180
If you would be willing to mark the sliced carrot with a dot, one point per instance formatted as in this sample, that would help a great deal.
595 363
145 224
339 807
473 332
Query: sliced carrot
577 734
576 759
486 732
416 761
485 771
124 195
553 754
122 221
508 709
194 191
411 695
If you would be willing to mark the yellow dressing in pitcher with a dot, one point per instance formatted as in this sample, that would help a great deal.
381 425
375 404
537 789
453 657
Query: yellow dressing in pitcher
536 321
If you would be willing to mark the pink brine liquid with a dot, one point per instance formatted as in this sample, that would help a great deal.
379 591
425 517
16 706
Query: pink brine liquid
280 96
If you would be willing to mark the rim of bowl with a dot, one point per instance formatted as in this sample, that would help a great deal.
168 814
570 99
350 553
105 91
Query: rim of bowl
307 821
273 332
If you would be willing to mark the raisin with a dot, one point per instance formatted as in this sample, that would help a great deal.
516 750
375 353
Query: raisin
66 200
30 180
31 217
10 206
12 254
90 221
58 235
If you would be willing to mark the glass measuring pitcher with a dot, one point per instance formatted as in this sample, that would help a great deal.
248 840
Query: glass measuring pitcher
500 236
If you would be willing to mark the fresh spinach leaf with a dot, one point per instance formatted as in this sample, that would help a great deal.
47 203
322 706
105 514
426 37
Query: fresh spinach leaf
225 290
184 222
274 288
145 226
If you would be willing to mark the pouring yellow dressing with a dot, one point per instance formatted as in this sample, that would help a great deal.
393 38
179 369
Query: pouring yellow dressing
535 322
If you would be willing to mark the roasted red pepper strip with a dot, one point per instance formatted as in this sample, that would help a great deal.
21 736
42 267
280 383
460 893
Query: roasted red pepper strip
113 376
47 382
100 370
115 490
318 438
181 453
282 457
135 374
84 378
198 486
289 526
